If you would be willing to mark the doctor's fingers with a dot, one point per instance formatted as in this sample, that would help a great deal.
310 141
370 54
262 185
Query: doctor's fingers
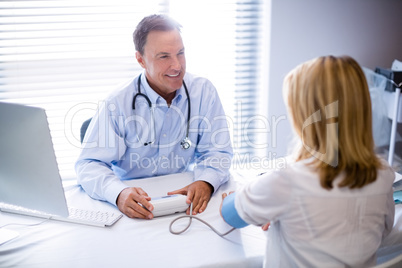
139 191
133 209
200 206
136 210
182 191
199 199
131 200
138 205
141 205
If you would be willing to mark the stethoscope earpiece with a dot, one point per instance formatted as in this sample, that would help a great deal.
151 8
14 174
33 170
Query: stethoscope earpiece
186 142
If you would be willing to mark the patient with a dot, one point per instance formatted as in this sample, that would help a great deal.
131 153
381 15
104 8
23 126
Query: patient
333 204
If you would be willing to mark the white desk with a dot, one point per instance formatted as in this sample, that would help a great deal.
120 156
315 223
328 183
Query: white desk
144 243
131 242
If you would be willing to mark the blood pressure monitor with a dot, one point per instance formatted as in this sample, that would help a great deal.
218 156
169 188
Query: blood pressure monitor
168 204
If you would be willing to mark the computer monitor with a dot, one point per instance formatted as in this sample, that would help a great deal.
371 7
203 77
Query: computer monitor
29 174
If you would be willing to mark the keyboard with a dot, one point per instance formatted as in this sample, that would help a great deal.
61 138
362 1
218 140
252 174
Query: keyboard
80 216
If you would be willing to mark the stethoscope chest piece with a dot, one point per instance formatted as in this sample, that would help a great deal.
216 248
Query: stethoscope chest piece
185 143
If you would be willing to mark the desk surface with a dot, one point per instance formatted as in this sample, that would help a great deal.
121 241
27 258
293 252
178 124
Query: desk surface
145 243
132 242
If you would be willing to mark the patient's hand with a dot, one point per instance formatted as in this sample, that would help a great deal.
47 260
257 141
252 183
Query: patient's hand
265 226
224 195
132 201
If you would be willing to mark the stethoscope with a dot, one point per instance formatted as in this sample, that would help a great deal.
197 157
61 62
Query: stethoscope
186 142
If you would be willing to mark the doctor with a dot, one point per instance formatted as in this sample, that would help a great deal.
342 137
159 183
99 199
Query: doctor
161 122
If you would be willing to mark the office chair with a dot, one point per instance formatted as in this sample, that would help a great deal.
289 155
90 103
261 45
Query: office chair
396 262
84 127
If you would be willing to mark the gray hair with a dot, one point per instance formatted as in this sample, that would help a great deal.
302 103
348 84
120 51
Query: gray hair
152 23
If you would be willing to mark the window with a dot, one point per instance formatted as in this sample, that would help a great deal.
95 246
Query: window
66 56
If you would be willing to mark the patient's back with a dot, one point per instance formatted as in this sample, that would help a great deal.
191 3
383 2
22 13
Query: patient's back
312 226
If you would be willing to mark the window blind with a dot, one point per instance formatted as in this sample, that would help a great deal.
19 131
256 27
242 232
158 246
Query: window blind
66 56
225 42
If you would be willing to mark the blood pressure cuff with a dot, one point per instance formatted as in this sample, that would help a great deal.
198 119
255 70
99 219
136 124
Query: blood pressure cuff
229 212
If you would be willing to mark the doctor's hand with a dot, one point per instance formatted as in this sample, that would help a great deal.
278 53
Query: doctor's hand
199 193
132 201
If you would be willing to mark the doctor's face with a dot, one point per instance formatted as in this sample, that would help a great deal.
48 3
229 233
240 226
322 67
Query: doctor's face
164 62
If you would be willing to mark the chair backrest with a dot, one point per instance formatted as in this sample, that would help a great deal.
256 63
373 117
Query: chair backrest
84 128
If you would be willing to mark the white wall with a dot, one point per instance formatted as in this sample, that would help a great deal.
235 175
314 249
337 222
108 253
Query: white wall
367 30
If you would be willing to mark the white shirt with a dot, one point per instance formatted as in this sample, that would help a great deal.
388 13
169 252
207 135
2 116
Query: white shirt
114 150
315 227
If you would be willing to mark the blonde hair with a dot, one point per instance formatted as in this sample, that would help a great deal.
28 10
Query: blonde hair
330 107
